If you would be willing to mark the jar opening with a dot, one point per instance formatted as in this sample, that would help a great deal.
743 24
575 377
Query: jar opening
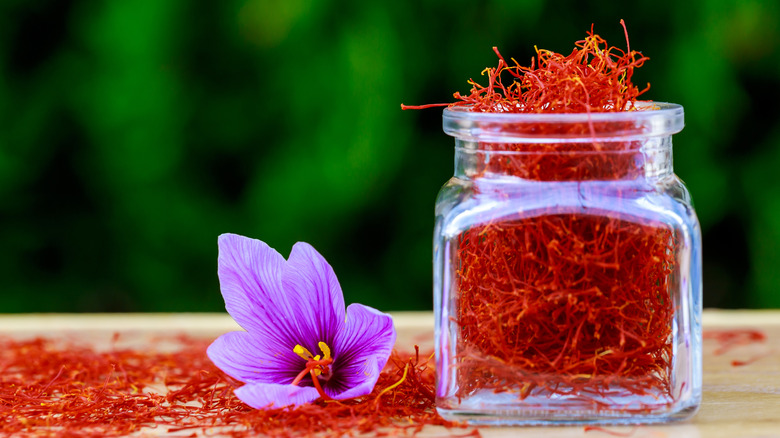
648 119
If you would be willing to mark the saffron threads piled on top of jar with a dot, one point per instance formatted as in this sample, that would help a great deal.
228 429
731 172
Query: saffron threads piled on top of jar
593 78
565 303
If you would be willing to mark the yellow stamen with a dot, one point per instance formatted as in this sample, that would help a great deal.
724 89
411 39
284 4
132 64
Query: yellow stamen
325 350
315 365
317 371
301 351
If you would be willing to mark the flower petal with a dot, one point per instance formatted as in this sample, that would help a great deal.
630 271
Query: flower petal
361 350
251 358
363 380
264 395
250 277
314 292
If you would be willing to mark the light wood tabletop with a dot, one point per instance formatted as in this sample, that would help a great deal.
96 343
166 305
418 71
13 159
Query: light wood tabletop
741 382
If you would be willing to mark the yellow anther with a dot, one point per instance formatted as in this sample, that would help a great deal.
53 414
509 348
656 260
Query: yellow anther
315 365
305 354
301 351
325 350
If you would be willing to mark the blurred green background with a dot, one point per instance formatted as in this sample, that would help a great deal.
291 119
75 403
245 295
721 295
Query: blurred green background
133 133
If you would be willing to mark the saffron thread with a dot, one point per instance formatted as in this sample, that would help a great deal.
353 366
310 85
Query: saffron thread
53 389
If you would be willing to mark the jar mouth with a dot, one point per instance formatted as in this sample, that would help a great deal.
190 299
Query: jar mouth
648 119
610 150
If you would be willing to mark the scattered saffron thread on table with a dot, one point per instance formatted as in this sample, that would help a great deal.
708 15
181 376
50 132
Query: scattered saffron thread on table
730 339
609 431
51 389
565 303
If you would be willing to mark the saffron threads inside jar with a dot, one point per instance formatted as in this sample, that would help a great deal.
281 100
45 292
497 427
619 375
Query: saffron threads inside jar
566 303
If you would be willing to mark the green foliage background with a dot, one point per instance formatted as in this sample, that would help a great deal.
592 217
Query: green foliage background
132 133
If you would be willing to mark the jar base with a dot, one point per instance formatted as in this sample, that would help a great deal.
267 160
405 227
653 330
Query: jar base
476 410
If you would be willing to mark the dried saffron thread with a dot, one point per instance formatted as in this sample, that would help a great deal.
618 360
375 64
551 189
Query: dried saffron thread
593 78
730 339
541 304
609 431
49 389
574 304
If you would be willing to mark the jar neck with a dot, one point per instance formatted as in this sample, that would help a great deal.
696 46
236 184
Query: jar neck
649 158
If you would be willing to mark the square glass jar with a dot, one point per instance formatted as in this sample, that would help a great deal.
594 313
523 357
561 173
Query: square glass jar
567 271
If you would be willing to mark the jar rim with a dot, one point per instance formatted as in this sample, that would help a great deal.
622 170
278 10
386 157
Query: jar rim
650 119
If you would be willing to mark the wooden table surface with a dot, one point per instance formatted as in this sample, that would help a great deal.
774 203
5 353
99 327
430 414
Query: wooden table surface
739 400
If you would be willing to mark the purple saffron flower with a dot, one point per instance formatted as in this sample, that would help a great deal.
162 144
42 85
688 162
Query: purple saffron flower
299 343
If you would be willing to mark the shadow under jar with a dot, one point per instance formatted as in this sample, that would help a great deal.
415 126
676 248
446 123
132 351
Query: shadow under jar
567 271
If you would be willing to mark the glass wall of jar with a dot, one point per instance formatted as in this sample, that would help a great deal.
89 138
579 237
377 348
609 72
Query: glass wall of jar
567 270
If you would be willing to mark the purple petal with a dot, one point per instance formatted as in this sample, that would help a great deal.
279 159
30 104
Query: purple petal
360 351
314 292
263 395
250 277
364 377
251 358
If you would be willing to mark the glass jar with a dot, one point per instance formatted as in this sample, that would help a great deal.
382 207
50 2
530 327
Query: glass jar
567 271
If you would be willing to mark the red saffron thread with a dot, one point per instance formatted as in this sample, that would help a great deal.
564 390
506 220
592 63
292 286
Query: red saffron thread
48 389
593 78
730 339
742 363
609 431
568 304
